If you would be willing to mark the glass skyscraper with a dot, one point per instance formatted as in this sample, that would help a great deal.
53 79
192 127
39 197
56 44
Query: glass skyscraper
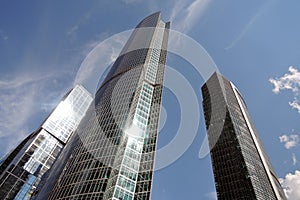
24 168
111 155
241 167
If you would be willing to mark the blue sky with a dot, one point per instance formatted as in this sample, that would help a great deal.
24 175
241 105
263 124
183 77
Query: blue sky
255 44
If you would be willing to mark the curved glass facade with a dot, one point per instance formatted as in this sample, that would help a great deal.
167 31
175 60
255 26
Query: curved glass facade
241 166
34 157
111 156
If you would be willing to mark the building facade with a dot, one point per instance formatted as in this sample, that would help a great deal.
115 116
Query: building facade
111 155
8 158
241 167
25 167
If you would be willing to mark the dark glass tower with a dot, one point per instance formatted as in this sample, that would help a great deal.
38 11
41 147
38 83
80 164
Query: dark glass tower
111 155
24 168
241 166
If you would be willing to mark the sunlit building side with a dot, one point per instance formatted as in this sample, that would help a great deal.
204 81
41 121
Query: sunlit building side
113 150
23 169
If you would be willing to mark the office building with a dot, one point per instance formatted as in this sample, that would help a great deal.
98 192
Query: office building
111 155
23 169
241 167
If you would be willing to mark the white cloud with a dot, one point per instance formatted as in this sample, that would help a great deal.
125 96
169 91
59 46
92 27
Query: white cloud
289 141
294 159
289 81
291 185
184 15
295 105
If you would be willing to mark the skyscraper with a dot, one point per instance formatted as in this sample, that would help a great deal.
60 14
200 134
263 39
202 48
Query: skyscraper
23 169
111 155
241 166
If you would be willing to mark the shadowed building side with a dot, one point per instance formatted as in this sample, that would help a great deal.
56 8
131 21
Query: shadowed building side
241 167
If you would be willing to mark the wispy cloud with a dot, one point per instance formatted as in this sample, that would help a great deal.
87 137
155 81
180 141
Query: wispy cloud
184 15
177 8
289 141
250 23
291 185
24 80
73 30
21 99
289 81
15 108
294 159
131 1
3 35
212 195
98 59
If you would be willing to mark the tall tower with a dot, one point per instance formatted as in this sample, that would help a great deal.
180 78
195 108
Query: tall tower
24 168
112 153
241 167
